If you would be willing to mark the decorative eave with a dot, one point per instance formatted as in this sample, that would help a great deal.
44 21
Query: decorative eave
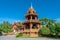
31 12
31 15
17 25
32 21
20 25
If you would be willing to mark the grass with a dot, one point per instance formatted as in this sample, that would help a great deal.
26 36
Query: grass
20 35
26 37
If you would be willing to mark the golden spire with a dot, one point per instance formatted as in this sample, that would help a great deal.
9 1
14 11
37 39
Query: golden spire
31 11
31 5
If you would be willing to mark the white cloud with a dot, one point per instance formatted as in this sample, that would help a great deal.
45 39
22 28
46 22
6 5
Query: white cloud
57 20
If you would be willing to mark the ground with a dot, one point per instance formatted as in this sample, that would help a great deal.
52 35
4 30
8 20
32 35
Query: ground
14 38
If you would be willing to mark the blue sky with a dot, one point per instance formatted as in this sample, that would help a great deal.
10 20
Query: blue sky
15 10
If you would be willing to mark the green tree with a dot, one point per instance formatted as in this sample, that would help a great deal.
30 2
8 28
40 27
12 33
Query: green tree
5 27
45 21
44 31
50 24
57 29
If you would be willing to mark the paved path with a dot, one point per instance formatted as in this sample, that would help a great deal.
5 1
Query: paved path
14 38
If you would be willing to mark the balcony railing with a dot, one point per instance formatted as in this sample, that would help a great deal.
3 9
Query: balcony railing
32 20
29 30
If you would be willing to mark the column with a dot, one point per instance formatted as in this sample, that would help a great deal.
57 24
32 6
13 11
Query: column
24 27
31 25
37 25
35 18
31 17
30 28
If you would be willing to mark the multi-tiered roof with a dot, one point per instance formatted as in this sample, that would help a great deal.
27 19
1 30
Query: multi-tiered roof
31 12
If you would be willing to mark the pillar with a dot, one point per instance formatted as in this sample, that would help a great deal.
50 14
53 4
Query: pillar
24 27
30 28
31 25
38 26
31 17
35 18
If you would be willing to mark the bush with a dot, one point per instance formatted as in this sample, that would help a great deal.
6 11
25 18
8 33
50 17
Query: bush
0 33
5 27
19 35
44 31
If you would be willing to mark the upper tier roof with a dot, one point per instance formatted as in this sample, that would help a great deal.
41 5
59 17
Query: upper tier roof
31 11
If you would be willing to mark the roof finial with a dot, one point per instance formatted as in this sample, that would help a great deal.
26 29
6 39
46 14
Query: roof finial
31 5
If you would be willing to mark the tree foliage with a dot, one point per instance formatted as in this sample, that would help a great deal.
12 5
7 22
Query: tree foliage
5 27
44 31
50 27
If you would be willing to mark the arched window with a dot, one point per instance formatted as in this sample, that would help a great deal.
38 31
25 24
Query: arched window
28 17
27 26
33 17
33 12
34 26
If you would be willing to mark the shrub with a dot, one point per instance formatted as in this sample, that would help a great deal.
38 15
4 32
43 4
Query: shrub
19 35
44 31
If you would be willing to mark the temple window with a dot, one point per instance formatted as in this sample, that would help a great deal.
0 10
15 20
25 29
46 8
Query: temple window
33 17
28 17
35 32
27 26
26 32
33 12
34 26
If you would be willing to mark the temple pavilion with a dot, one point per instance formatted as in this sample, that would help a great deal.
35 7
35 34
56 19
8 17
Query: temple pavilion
31 26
